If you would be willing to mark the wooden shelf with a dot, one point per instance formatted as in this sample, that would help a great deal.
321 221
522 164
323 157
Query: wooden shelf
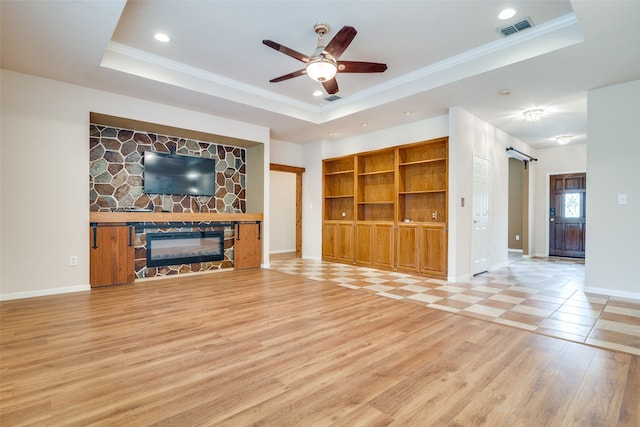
339 172
124 217
422 192
373 193
376 173
420 162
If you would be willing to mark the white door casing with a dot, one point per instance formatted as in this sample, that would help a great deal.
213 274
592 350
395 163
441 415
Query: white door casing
480 216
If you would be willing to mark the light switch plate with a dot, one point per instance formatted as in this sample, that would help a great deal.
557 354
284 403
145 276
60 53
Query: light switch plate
622 199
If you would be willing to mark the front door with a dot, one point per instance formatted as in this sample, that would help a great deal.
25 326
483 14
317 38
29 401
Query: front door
567 220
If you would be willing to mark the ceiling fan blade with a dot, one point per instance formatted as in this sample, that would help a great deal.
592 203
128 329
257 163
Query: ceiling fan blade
331 86
289 76
360 67
287 51
341 41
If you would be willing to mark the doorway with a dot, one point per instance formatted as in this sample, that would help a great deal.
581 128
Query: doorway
298 171
518 210
567 219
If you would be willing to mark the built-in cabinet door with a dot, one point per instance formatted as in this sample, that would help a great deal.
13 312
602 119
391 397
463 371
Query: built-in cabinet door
383 245
330 240
364 241
337 241
345 242
407 244
248 246
112 255
433 250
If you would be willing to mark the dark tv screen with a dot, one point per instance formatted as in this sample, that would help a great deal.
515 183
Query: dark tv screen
176 174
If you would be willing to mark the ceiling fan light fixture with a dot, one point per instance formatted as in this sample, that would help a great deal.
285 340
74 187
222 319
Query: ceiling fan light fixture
533 115
321 69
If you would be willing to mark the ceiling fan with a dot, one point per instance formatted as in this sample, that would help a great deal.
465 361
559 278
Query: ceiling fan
324 63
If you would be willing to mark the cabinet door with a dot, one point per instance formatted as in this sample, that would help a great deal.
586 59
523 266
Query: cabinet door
112 255
345 242
364 241
330 241
247 246
383 239
433 250
407 247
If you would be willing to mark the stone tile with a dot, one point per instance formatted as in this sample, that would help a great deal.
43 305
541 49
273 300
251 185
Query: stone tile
378 287
622 310
574 318
569 328
515 324
487 311
533 311
466 298
615 337
507 298
414 288
424 298
618 327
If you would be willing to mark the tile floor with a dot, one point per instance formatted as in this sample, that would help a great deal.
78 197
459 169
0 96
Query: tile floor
542 295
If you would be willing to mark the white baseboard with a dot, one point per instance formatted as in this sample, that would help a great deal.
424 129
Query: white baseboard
313 258
515 250
282 251
612 292
44 292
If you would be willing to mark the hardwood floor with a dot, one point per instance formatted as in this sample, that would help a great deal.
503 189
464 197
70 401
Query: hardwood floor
260 347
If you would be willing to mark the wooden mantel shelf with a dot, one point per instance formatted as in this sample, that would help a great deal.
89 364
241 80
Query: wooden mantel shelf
116 217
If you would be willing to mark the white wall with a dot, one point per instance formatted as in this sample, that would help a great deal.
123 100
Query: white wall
312 201
282 207
44 185
471 136
286 153
613 233
553 161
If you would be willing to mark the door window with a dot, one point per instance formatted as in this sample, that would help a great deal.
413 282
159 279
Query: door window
572 205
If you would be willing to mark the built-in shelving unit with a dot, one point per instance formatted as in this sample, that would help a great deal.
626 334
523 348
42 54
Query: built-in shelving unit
388 208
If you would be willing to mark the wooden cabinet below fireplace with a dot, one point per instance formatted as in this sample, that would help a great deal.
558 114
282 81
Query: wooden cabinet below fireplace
112 255
248 246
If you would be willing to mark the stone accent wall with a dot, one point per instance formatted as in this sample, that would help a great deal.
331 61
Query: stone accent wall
116 172
116 176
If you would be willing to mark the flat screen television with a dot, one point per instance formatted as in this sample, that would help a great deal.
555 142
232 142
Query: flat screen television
175 174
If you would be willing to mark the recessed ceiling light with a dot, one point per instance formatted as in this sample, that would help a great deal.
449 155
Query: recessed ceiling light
364 124
408 113
162 37
563 139
506 14
505 92
317 93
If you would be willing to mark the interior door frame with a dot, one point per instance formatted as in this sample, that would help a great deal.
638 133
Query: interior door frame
548 206
298 171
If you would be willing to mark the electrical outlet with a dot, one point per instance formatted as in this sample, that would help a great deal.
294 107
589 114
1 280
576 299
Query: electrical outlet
434 215
73 260
344 214
517 237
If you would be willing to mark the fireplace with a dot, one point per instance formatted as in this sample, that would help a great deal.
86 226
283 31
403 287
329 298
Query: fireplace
184 247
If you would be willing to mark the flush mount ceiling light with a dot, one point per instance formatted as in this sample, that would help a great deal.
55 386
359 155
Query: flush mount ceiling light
563 139
161 37
506 14
533 115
